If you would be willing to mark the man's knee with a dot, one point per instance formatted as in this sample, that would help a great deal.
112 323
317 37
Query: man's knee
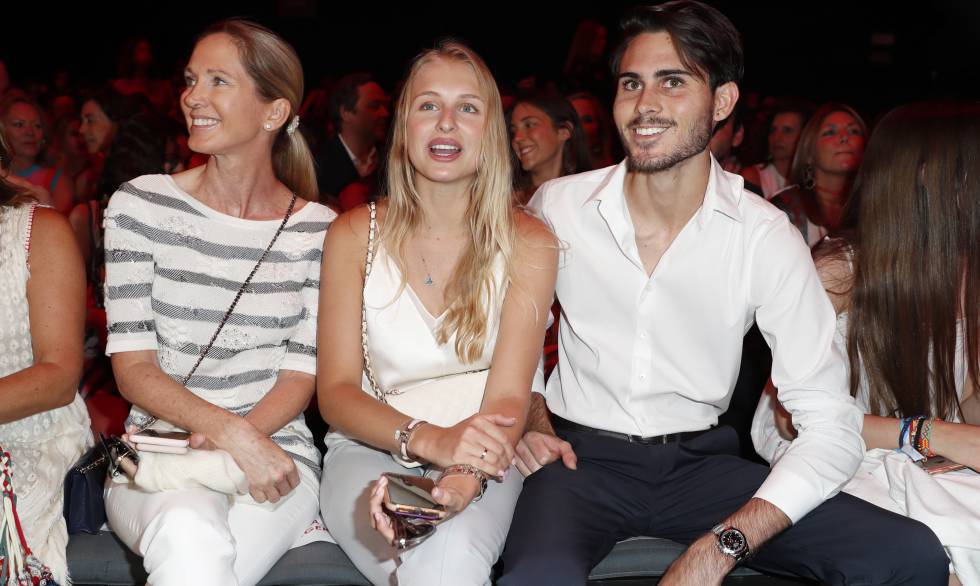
913 555
543 566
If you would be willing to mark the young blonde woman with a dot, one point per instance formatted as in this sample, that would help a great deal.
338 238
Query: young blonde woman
461 280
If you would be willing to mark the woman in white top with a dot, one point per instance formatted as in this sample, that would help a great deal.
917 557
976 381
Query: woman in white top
462 280
177 252
906 286
43 422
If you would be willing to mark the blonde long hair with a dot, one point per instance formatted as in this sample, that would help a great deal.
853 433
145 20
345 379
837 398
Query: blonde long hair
277 72
489 215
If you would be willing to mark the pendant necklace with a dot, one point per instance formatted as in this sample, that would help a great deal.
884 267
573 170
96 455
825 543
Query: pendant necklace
428 273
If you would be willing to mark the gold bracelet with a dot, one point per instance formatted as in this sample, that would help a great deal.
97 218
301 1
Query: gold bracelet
467 469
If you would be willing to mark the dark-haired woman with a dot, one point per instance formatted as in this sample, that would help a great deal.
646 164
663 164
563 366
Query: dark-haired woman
827 158
906 287
43 423
548 141
178 252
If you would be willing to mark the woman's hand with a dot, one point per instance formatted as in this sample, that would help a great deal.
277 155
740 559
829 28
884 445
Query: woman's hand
456 491
271 473
478 441
380 521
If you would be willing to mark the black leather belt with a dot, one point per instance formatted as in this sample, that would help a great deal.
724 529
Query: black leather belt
566 425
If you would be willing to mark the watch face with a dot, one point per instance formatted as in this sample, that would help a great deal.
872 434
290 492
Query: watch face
732 541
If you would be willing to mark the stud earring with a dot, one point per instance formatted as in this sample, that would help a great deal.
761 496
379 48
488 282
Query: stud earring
268 126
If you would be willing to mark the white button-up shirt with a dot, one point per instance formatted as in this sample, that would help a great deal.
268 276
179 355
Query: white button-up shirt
649 355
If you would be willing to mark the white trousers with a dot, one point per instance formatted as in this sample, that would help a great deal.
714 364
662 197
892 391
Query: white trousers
460 553
199 536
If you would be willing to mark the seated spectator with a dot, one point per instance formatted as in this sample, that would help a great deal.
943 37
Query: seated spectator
688 260
460 282
597 128
548 142
135 76
43 423
827 158
725 139
906 287
23 123
100 117
359 108
179 253
786 121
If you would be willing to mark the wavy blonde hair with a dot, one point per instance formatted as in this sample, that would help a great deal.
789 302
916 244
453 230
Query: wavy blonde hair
489 215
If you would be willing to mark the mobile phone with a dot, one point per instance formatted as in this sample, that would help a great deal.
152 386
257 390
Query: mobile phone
411 496
939 464
177 439
162 449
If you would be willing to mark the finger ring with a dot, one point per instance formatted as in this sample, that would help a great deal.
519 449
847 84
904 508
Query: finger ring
483 456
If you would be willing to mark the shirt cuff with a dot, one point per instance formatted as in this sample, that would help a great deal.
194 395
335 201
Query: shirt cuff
130 345
791 493
302 364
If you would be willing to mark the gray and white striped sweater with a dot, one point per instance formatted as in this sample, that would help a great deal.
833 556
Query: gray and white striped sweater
173 267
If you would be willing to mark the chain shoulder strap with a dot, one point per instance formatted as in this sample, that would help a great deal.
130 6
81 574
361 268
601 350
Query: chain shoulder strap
368 265
234 303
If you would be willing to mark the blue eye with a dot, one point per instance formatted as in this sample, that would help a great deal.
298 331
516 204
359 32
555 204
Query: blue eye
427 107
469 108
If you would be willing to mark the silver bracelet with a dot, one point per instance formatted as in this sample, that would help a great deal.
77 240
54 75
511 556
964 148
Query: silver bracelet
404 434
466 469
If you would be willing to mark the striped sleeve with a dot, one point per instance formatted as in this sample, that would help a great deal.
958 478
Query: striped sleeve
301 350
129 276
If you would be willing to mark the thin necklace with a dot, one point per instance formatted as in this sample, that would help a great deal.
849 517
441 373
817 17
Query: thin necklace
428 273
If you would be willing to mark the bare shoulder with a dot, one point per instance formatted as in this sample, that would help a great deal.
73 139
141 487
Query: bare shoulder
533 232
353 225
54 230
836 274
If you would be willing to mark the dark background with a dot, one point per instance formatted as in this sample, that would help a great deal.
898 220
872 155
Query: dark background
873 55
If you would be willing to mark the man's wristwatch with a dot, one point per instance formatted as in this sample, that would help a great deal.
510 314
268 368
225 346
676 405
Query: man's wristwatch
732 542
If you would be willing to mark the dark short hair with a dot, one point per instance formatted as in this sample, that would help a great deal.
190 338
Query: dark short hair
707 42
345 94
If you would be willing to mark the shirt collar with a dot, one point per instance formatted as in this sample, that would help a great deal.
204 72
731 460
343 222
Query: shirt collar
350 153
722 195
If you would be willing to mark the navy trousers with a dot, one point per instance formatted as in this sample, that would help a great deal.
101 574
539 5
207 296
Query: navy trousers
567 521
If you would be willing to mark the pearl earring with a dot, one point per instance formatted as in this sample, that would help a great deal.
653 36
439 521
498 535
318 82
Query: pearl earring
268 126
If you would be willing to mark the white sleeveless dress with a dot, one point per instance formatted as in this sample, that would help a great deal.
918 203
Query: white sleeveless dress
947 502
45 445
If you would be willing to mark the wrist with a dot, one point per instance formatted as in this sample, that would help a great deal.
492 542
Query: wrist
226 429
422 441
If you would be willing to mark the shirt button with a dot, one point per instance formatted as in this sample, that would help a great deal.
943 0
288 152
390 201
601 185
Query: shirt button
643 377
643 335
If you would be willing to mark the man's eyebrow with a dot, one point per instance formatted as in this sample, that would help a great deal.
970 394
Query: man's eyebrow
670 72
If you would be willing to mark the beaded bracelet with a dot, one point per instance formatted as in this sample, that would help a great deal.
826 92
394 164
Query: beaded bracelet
903 430
466 469
924 439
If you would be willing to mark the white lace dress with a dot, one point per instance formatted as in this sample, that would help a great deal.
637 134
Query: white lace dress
43 446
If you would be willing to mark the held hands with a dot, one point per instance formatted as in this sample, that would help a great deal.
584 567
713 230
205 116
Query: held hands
538 449
478 441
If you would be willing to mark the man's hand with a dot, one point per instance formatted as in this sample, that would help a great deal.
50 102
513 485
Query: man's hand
537 449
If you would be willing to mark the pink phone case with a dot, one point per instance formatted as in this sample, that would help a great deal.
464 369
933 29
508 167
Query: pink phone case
161 449
149 437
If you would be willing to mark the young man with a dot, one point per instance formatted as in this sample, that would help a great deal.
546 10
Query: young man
667 262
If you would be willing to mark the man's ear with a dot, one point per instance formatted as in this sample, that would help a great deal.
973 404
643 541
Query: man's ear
347 115
726 96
